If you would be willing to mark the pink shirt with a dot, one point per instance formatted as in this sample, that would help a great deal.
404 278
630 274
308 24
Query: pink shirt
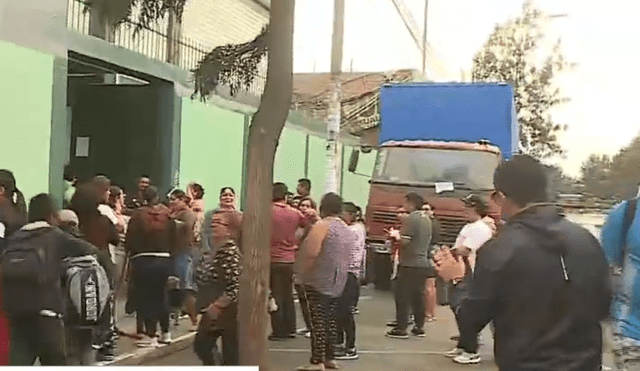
286 221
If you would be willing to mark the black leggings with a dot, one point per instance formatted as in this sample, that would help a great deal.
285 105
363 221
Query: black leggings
150 274
346 320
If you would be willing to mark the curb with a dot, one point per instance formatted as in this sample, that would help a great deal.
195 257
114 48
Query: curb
146 355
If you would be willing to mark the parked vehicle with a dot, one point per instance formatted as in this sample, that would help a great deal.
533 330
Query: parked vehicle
442 141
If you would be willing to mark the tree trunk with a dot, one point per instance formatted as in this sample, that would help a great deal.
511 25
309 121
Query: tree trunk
264 133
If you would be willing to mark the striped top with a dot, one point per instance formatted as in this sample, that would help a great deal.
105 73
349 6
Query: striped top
357 248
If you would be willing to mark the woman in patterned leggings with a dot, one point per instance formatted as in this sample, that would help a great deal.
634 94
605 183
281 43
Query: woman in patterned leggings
322 268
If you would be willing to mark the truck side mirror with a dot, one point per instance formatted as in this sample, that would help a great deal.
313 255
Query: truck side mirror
353 161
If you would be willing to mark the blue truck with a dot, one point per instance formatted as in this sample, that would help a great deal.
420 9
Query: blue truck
442 141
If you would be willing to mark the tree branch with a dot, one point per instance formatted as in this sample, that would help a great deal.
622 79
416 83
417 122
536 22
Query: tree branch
233 65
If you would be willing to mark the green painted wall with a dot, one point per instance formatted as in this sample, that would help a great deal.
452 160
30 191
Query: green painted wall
211 148
289 167
26 79
289 162
355 187
211 153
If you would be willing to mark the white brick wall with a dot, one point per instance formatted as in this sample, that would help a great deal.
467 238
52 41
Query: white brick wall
218 22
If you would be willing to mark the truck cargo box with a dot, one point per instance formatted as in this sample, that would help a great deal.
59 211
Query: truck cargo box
450 112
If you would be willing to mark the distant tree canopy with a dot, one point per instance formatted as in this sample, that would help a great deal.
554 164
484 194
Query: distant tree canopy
596 176
614 177
511 55
559 182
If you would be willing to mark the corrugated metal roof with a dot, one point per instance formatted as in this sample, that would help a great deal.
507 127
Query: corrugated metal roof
360 96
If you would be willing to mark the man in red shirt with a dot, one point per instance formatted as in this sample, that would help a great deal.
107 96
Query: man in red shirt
286 221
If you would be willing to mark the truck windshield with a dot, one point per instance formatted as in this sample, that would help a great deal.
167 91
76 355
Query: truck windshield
465 168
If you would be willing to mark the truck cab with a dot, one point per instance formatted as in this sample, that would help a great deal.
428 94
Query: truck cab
442 141
441 172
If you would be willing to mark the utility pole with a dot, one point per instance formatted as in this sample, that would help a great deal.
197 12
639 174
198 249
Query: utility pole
424 38
333 114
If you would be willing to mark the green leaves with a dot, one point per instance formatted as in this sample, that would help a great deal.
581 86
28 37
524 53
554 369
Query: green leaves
143 13
618 176
596 176
234 65
512 54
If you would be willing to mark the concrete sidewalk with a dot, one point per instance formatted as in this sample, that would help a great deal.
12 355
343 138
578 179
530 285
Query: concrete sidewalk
128 353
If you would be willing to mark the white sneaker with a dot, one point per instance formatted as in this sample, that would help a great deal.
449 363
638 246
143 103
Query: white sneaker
165 338
453 353
147 342
302 331
467 358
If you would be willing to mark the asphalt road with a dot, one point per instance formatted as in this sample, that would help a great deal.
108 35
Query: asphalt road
377 353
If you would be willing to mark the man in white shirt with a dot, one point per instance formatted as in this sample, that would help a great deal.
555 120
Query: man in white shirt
477 232
471 238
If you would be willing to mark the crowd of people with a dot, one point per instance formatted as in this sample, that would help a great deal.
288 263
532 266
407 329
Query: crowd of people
172 259
540 281
101 244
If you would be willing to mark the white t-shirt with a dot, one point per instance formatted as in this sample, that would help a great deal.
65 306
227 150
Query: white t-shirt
473 236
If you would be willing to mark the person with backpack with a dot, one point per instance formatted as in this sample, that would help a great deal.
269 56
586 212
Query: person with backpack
97 229
84 277
31 285
620 238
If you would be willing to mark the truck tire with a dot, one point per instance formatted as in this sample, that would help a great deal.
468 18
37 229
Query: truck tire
383 267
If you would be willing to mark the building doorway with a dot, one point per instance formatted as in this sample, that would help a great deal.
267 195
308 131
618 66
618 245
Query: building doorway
121 124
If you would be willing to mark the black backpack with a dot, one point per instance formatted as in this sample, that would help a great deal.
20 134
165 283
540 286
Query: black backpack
30 275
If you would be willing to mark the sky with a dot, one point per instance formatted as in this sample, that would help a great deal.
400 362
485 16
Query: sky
601 37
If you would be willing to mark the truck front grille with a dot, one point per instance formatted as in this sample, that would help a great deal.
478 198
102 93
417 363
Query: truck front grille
450 227
385 217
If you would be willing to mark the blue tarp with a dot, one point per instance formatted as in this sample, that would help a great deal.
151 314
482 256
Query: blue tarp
450 112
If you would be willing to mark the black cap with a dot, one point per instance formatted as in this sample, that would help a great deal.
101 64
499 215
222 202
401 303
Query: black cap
477 203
